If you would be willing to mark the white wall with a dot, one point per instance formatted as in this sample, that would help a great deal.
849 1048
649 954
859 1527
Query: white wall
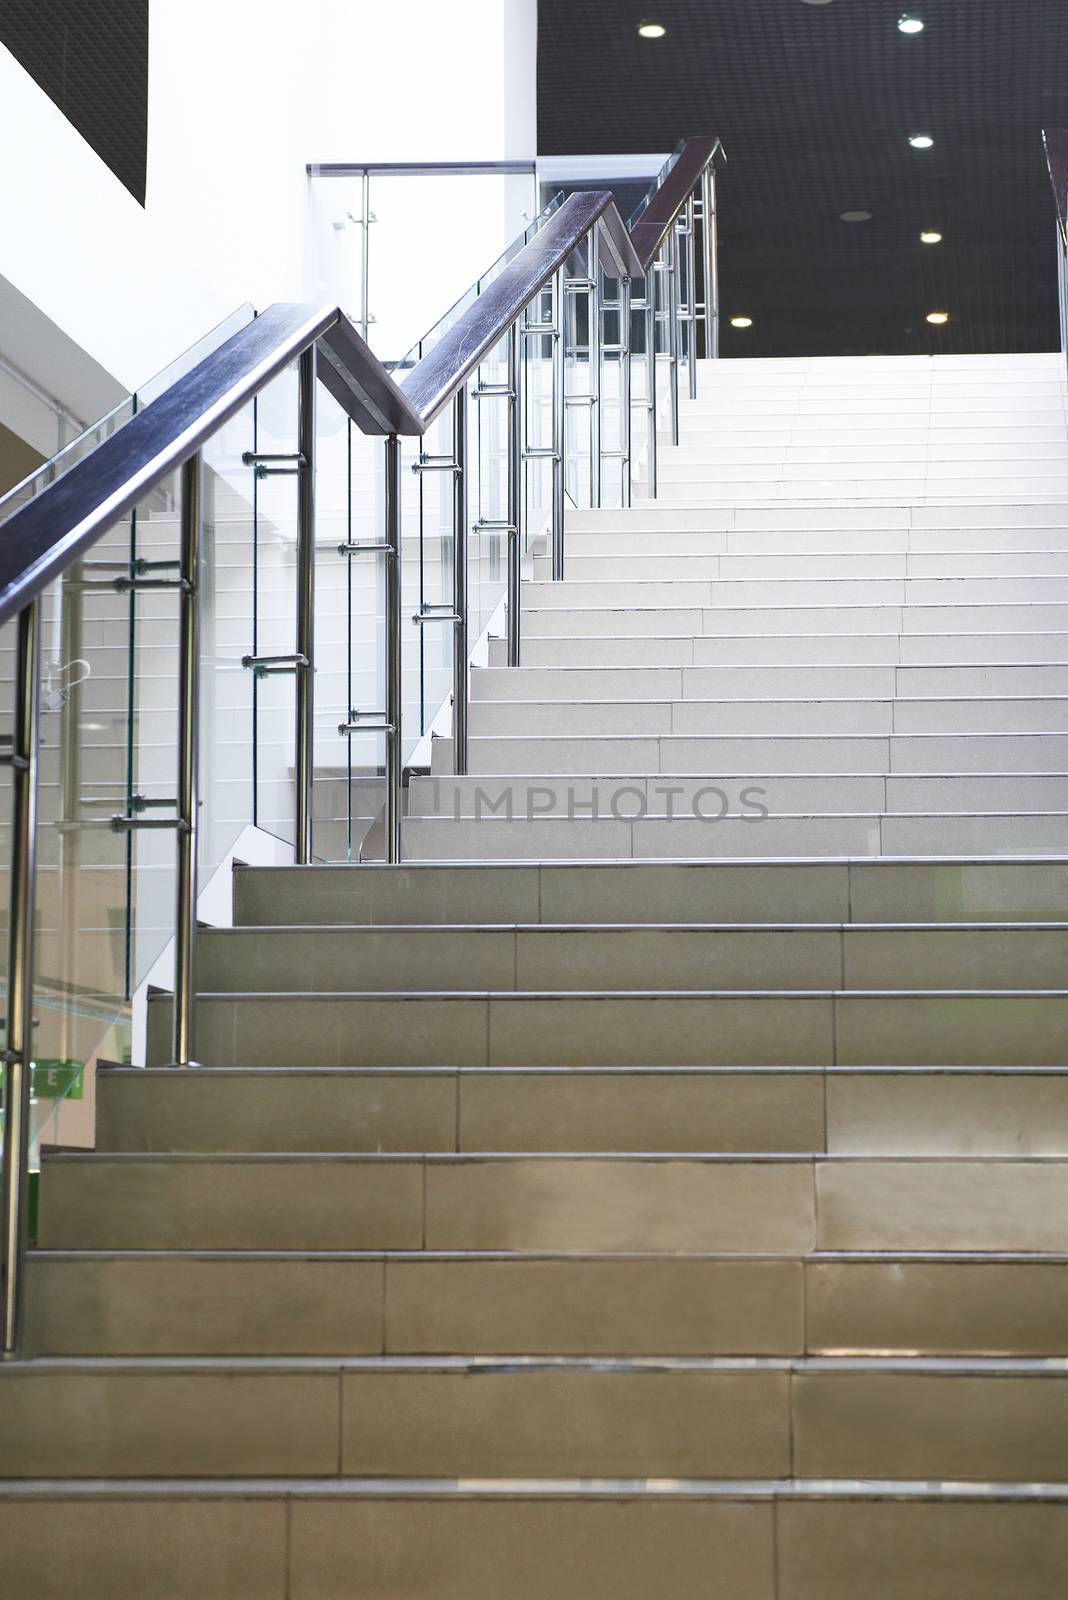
242 94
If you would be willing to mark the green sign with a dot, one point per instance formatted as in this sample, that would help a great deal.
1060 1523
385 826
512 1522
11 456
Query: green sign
58 1080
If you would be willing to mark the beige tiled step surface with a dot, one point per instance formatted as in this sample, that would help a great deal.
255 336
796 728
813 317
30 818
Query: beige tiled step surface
600 1541
567 1417
917 1111
536 956
799 1028
950 890
114 1303
554 1203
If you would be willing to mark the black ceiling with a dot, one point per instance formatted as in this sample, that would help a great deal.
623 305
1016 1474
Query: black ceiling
814 104
91 58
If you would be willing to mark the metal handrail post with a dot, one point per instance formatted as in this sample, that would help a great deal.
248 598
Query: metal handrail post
624 388
691 297
304 733
394 696
559 342
18 1055
516 497
650 376
711 262
459 584
185 900
594 333
673 327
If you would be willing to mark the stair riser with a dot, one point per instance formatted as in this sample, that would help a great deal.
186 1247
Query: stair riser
958 651
593 617
525 797
509 1423
611 566
789 682
624 1030
614 1545
759 755
531 958
734 594
129 1304
883 892
806 1110
546 1204
732 838
796 718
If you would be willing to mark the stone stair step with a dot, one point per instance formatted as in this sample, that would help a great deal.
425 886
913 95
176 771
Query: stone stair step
706 837
135 1302
842 1110
603 1540
562 1417
538 956
950 890
738 1203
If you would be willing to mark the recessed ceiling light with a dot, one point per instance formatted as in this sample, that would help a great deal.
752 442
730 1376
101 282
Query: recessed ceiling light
741 322
929 236
817 2
920 141
651 30
855 216
938 317
911 25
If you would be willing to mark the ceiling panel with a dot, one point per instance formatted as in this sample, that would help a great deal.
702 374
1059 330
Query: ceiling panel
814 104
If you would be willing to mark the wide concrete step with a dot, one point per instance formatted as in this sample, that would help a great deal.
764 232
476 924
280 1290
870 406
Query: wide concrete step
949 890
568 1416
726 594
641 617
818 717
533 956
601 1203
790 681
835 1110
610 565
715 834
614 537
529 796
599 1540
803 1028
652 517
964 651
163 1303
759 755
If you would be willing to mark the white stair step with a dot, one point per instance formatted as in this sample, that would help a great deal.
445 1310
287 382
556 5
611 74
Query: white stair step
789 681
759 755
684 838
786 649
956 890
525 797
854 717
558 621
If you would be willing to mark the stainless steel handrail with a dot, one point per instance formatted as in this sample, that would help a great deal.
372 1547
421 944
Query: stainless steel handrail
51 532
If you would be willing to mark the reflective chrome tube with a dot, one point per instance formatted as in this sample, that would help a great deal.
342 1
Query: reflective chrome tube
516 497
187 810
393 698
304 761
18 1055
559 410
459 584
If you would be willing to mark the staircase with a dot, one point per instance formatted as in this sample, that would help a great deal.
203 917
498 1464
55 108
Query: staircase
659 1186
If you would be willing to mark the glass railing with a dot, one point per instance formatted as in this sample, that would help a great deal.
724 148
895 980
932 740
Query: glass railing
301 619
